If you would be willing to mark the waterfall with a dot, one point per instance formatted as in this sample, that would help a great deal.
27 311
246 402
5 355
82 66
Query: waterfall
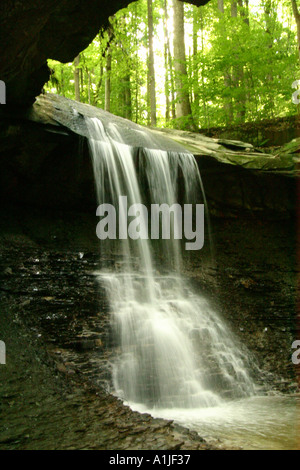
171 349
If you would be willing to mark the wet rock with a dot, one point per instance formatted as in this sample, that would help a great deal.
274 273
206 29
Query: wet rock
45 169
75 315
8 271
87 344
247 283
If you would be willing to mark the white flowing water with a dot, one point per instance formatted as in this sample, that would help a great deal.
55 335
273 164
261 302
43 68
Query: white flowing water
172 350
254 423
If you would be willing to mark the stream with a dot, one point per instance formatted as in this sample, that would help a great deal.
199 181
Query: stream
257 423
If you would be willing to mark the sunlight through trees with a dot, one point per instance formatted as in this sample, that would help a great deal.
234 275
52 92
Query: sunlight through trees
167 64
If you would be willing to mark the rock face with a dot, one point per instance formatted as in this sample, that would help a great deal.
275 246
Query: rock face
45 163
237 177
58 112
32 32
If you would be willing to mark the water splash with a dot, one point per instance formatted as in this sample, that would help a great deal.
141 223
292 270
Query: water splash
171 348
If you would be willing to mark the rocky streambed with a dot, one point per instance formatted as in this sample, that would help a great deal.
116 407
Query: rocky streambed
55 322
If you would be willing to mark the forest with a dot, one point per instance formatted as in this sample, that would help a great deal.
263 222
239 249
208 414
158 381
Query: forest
163 63
149 227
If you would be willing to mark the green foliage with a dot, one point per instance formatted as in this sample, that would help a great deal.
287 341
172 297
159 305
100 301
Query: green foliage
239 68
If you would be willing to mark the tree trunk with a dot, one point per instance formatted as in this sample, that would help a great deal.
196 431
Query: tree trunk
205 106
234 10
268 4
195 64
151 71
89 85
99 85
136 74
235 73
108 81
297 18
170 66
238 70
127 98
173 104
221 6
242 101
228 108
244 10
166 60
183 106
77 77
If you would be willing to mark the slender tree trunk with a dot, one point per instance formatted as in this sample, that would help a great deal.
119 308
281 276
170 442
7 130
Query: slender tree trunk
297 18
228 108
148 93
107 99
238 70
170 67
244 10
127 98
77 77
137 77
137 104
167 85
183 105
108 80
172 80
242 100
81 81
166 60
235 73
205 107
99 85
268 8
234 9
195 64
151 72
89 85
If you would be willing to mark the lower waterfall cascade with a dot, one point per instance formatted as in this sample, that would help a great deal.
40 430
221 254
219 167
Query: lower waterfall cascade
172 349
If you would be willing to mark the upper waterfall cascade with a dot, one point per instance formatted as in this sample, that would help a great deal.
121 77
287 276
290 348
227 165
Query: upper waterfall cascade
172 349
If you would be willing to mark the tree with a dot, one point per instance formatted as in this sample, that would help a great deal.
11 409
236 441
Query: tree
228 106
196 96
151 71
167 61
238 74
77 77
297 18
184 116
108 70
238 67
